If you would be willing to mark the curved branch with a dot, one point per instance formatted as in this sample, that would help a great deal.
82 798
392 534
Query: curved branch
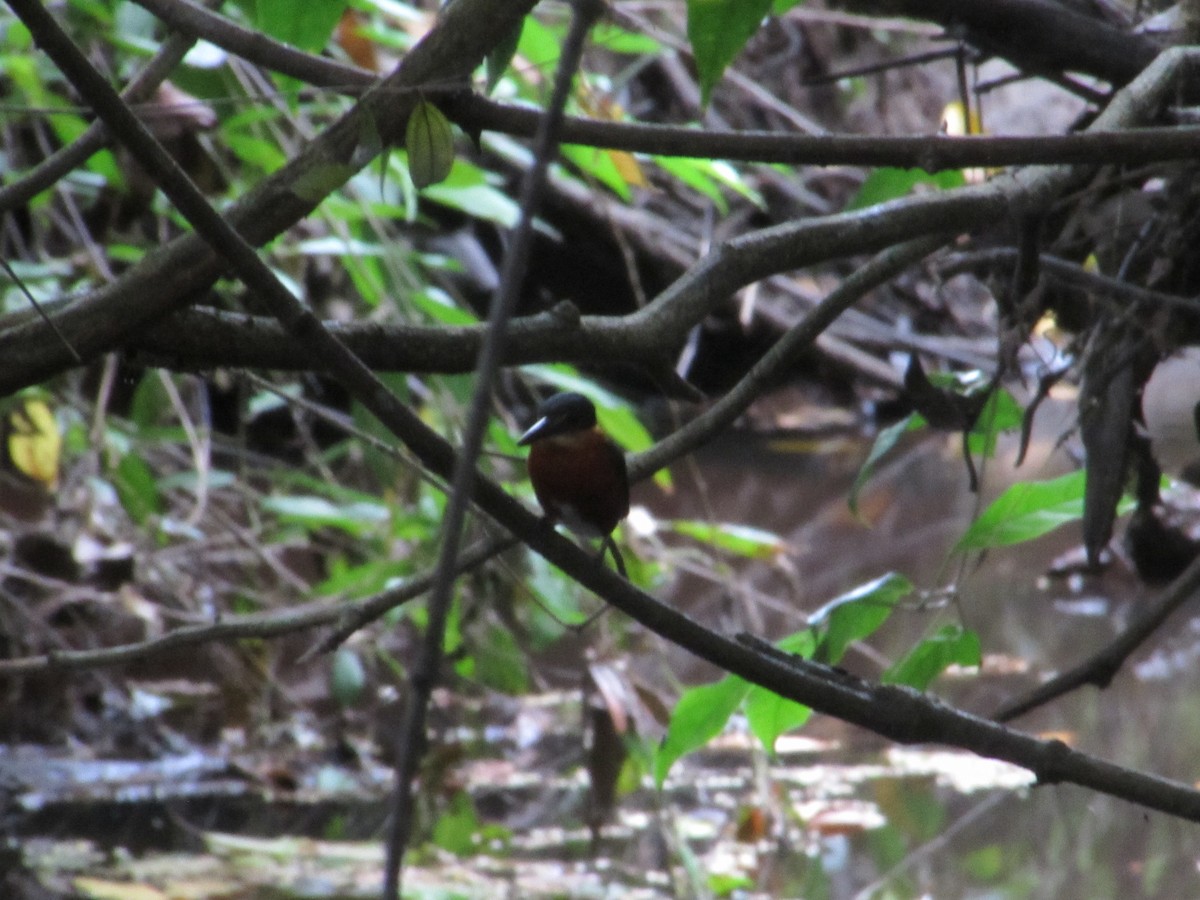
1038 36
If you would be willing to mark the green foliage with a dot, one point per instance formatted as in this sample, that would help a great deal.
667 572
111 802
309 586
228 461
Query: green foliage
708 176
137 488
740 540
950 645
429 140
857 614
347 677
770 715
1000 413
702 712
496 661
313 512
475 192
891 184
457 828
501 56
885 440
306 24
1027 510
599 166
718 30
699 716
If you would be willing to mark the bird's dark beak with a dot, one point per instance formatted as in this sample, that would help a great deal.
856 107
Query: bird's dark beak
536 430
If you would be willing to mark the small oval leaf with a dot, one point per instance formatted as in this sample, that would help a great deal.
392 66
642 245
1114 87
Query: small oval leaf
429 140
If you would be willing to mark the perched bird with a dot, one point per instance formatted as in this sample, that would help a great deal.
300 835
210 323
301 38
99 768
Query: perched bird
577 472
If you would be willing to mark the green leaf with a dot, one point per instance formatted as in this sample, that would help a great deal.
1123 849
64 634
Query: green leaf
708 176
455 830
347 677
306 24
884 442
356 518
891 184
615 39
440 307
598 164
468 189
1000 413
429 140
499 663
857 614
718 29
770 715
137 488
699 716
1025 511
501 56
951 645
753 543
318 182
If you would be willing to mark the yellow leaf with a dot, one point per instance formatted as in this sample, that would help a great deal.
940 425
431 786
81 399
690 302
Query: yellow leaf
956 122
628 168
34 444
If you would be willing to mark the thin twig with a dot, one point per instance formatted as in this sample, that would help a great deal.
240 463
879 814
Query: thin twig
74 154
41 312
411 741
1100 668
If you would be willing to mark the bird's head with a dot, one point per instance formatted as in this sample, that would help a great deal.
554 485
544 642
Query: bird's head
561 415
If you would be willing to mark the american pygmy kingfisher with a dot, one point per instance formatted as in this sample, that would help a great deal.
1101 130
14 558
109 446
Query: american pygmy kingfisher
577 472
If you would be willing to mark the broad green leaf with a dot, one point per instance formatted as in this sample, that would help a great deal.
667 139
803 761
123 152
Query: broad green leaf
458 826
599 165
951 645
317 512
770 715
501 56
540 44
884 442
371 577
306 24
856 614
137 488
429 140
347 677
615 39
318 182
1025 511
1000 413
708 176
891 184
718 30
440 307
467 188
754 543
499 663
699 716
